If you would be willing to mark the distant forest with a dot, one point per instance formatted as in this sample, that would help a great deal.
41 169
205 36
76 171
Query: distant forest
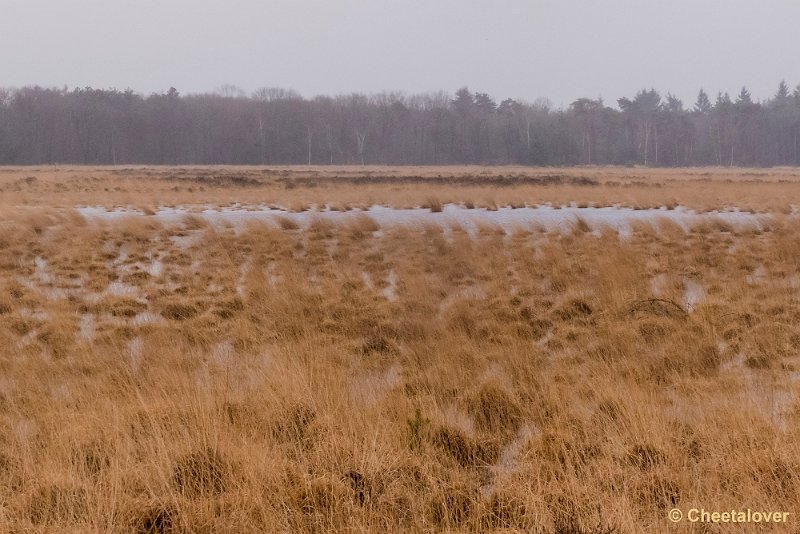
279 127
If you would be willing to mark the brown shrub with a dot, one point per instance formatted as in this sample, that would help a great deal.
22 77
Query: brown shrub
322 228
10 473
453 507
365 488
658 308
362 225
495 410
57 341
567 451
433 204
464 450
575 309
378 343
316 500
507 511
580 226
653 331
227 309
90 458
124 307
645 457
285 223
201 474
180 311
571 516
156 519
58 504
658 494
194 222
294 426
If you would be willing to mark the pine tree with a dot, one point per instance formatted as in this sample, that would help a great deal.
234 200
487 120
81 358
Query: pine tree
703 104
744 98
464 100
782 96
485 103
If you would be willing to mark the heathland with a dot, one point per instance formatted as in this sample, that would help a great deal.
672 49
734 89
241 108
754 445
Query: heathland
246 349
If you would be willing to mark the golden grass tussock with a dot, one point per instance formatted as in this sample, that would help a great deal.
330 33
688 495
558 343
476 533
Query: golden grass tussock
362 225
179 375
433 204
286 223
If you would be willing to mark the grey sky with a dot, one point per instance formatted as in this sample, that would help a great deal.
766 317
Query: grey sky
560 49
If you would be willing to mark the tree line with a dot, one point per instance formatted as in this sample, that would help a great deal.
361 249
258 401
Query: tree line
279 127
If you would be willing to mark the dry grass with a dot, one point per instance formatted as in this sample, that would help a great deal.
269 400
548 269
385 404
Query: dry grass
342 188
186 377
433 204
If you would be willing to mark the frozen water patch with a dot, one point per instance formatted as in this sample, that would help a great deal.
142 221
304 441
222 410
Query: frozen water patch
773 399
694 293
147 318
545 339
214 289
659 284
119 261
456 418
791 282
222 354
509 457
27 339
121 289
194 267
61 393
273 277
25 429
43 281
36 315
88 327
372 388
185 242
244 269
331 246
100 212
774 402
42 271
135 353
155 269
508 219
390 291
8 387
733 365
758 276
467 293
54 293
367 279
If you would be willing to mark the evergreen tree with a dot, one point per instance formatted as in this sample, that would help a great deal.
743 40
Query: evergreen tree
782 97
464 101
485 103
703 104
744 98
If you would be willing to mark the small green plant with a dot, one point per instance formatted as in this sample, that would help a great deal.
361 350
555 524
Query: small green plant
416 428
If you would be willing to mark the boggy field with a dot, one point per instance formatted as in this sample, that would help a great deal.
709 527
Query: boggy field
193 374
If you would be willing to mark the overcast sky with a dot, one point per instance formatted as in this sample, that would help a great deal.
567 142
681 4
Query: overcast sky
526 49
